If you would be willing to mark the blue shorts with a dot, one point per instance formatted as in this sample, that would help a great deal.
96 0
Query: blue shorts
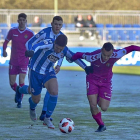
37 81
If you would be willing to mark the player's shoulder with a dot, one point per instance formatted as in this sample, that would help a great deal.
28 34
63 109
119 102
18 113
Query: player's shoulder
47 29
61 33
13 28
29 30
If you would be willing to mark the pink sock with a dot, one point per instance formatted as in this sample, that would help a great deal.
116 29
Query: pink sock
21 85
98 118
14 86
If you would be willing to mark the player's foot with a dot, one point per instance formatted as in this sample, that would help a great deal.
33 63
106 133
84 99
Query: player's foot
49 123
42 117
33 115
101 128
18 95
19 105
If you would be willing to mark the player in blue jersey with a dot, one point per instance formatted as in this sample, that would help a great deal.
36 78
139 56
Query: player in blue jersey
52 32
42 74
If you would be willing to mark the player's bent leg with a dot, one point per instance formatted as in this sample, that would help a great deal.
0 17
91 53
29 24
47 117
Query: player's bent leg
104 104
96 114
52 87
33 100
93 103
43 113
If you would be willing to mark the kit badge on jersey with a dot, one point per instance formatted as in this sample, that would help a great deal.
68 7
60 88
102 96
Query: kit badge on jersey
25 36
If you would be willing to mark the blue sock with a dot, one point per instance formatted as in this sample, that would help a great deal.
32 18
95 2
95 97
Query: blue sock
46 98
32 104
51 105
24 89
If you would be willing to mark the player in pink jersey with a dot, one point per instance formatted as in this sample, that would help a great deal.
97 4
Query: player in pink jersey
99 84
18 62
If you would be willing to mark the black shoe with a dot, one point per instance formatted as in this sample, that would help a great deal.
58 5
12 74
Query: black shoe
19 105
42 117
101 128
18 95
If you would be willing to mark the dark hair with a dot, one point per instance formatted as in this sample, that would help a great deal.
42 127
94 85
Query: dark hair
23 15
61 40
57 18
108 46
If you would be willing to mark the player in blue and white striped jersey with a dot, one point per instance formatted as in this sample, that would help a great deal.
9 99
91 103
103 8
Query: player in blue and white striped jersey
52 32
42 74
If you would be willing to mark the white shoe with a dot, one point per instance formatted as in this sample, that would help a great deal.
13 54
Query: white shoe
33 115
49 123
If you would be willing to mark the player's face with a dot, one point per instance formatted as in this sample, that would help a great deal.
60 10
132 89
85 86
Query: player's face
106 54
56 26
58 48
22 22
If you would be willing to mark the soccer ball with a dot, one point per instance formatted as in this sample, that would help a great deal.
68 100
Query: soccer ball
66 125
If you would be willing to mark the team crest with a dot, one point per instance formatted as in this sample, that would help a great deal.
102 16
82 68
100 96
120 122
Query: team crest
108 64
123 52
25 36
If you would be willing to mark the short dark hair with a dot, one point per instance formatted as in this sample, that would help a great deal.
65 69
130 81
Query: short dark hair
57 18
61 40
108 46
23 15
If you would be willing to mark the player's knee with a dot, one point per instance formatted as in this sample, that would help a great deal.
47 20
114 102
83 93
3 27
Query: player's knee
36 100
53 92
104 108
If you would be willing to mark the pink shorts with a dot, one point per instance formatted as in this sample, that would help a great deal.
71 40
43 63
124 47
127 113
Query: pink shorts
14 70
100 87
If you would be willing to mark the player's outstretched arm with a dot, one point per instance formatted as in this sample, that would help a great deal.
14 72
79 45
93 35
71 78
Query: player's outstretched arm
69 56
132 48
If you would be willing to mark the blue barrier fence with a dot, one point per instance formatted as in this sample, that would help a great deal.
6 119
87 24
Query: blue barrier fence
131 59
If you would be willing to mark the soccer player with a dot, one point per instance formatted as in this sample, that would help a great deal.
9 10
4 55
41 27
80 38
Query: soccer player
52 32
42 74
18 62
99 84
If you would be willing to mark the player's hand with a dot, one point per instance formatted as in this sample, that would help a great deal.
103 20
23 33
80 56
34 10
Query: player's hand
89 69
70 60
4 53
29 53
57 69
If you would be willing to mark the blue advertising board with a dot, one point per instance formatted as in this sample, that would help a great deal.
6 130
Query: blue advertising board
131 59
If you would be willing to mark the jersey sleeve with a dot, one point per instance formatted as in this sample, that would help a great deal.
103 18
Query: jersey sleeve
69 55
87 56
7 39
45 44
35 39
132 48
9 35
59 63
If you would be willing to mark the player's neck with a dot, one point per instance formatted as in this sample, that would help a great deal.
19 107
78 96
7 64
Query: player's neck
21 28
